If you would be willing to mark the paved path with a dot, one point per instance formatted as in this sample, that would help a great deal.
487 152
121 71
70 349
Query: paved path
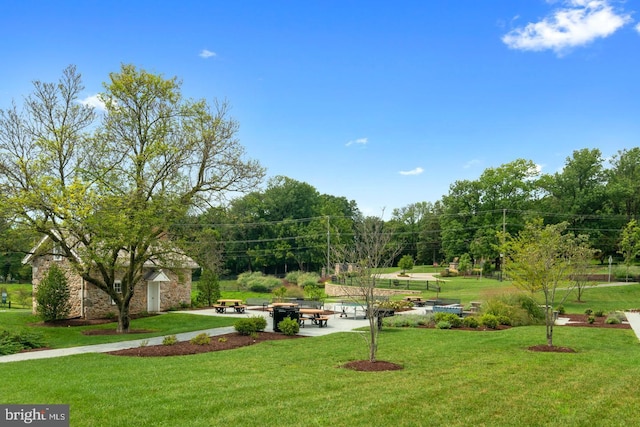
335 324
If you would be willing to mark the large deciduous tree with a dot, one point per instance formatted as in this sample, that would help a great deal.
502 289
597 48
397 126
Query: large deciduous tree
107 193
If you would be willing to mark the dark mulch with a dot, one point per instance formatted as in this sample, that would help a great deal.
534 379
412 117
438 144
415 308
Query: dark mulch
581 320
217 343
377 366
551 349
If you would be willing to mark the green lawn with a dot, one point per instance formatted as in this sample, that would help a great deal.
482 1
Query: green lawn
59 337
449 378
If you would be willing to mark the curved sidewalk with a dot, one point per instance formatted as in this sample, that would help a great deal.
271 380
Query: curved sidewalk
335 324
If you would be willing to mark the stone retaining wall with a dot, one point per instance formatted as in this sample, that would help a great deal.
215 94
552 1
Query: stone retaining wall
353 291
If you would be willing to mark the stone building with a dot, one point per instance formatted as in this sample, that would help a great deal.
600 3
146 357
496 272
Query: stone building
160 290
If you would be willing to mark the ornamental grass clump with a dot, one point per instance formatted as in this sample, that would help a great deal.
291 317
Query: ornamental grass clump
200 339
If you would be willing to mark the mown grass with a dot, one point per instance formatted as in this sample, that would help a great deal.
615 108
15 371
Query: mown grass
60 337
449 378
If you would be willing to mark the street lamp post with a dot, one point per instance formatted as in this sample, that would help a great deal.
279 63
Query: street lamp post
610 260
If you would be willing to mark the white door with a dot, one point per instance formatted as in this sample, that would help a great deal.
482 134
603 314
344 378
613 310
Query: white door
153 297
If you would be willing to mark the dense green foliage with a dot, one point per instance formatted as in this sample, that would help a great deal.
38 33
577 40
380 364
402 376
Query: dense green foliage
208 288
53 295
250 325
289 326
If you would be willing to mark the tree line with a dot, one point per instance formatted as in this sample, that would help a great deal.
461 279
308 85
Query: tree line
289 225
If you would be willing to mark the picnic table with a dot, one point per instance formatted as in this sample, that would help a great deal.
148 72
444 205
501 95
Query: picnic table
280 304
418 301
315 315
235 304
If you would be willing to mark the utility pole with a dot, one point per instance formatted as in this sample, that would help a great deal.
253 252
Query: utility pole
328 242
504 231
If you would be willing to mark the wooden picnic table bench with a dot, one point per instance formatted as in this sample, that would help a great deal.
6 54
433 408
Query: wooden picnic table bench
316 316
224 304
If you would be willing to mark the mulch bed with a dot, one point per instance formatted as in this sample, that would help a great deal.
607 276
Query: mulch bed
581 320
217 343
377 366
235 340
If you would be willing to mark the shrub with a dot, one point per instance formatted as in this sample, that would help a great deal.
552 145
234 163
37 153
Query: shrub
14 341
615 318
307 279
289 326
200 339
169 340
258 288
591 319
443 324
280 292
504 320
53 295
292 276
489 320
561 309
407 321
470 322
260 322
452 319
395 305
599 313
246 279
588 312
249 325
7 346
294 292
520 308
314 292
208 288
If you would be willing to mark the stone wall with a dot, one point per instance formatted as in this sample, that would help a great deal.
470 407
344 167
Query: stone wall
353 291
97 303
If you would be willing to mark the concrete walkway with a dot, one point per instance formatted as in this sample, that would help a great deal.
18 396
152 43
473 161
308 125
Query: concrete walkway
335 324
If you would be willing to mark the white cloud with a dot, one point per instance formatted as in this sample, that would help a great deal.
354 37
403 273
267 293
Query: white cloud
360 141
206 54
578 23
416 171
638 28
93 101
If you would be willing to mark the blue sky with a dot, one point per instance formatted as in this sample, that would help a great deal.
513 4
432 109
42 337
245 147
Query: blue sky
385 103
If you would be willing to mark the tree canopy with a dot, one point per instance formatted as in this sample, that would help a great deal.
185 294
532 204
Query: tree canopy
106 187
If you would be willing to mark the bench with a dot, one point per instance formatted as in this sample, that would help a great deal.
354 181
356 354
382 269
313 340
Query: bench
258 302
320 321
310 304
442 301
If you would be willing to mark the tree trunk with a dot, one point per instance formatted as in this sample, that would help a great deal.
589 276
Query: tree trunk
123 319
549 318
373 343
